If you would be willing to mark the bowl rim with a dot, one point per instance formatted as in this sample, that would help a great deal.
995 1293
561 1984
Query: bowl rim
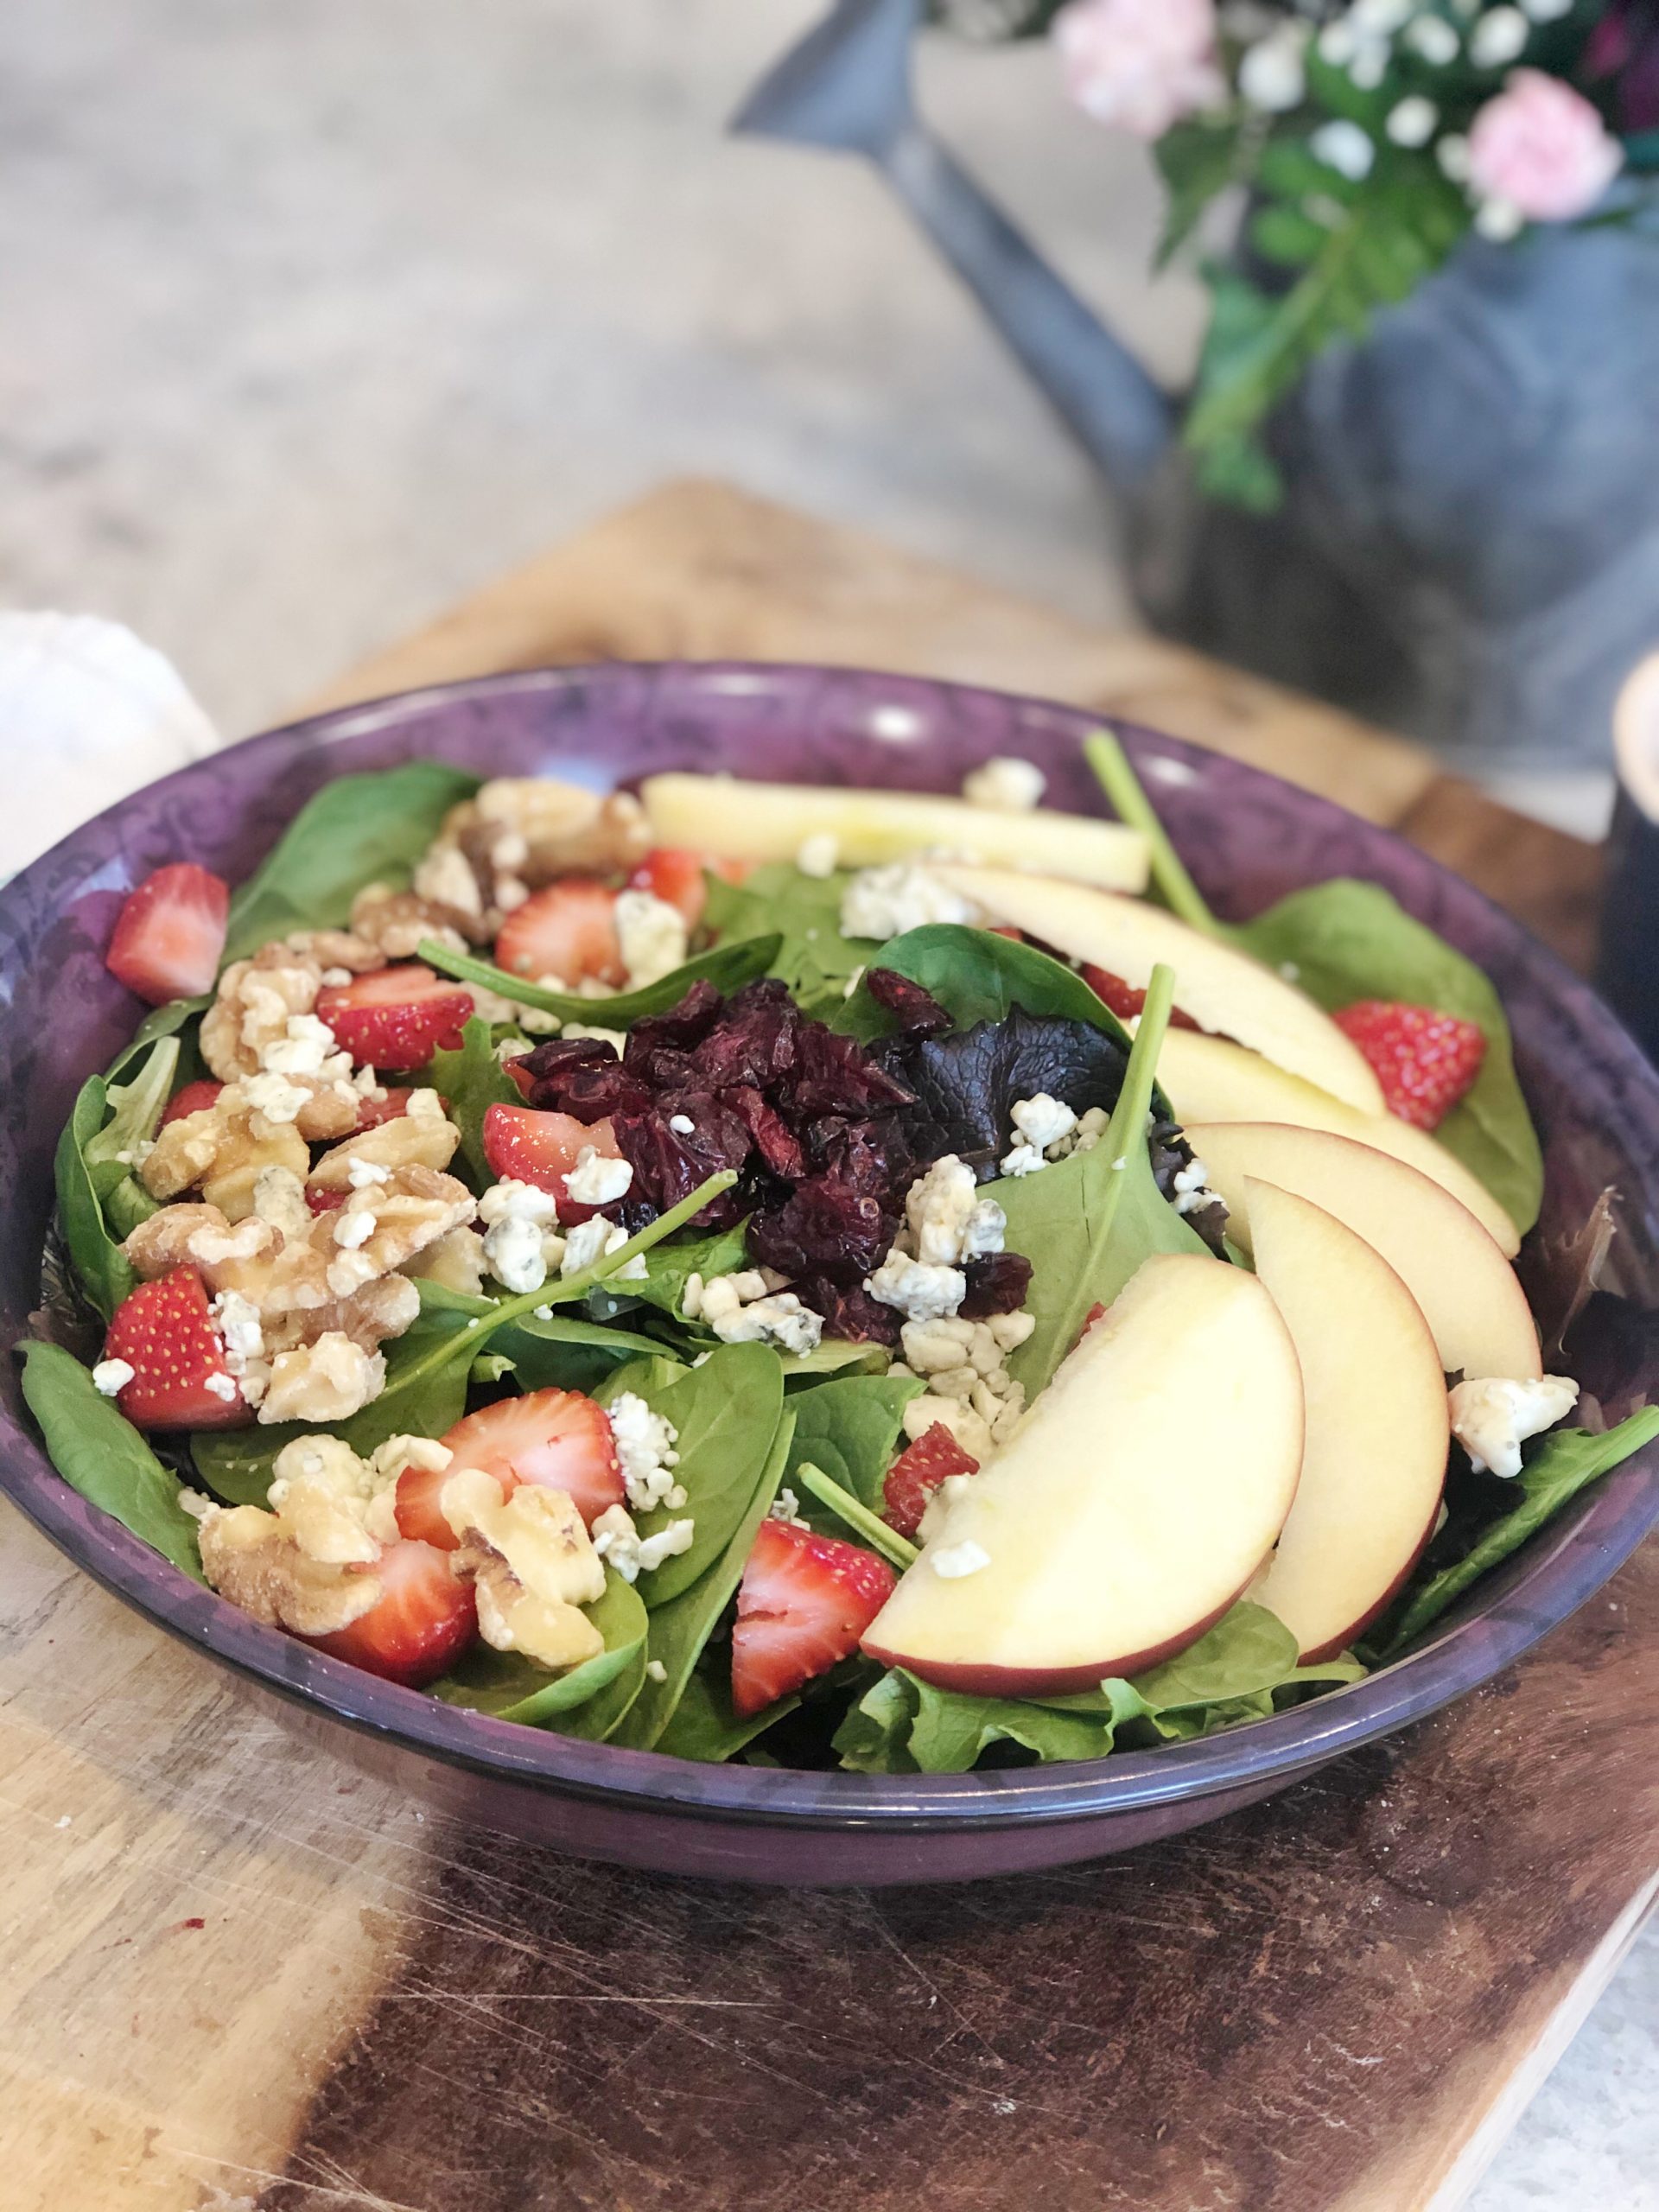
1562 1566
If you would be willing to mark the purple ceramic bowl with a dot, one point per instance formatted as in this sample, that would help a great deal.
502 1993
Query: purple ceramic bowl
1248 838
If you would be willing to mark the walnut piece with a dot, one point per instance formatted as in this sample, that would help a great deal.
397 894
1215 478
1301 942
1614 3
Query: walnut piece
406 1140
249 1558
329 1379
455 1262
533 1563
383 1225
394 922
350 948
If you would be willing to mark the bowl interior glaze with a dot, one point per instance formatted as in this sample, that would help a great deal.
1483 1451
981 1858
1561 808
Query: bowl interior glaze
1249 839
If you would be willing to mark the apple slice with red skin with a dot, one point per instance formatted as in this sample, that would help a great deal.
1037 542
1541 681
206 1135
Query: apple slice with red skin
1374 1463
1470 1295
1129 1509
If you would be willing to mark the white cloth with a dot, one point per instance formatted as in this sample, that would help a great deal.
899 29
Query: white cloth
88 712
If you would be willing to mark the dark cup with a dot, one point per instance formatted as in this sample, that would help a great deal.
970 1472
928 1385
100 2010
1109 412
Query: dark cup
1627 969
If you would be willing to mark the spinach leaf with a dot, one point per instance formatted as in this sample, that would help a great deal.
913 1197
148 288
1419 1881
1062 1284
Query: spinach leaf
667 1269
680 1628
851 1429
1561 1464
812 955
1238 1671
976 976
834 1356
357 831
513 1687
704 1726
168 1020
471 1081
598 1719
99 1454
727 967
1348 940
1087 1222
137 1108
726 1414
104 1271
563 1352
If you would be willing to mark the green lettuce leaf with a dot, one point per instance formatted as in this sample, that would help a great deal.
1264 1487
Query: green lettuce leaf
978 976
102 1269
812 955
471 1081
1347 940
850 1428
513 1687
729 967
357 831
704 1726
99 1454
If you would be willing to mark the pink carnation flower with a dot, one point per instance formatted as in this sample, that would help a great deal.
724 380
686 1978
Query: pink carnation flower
1140 65
1541 149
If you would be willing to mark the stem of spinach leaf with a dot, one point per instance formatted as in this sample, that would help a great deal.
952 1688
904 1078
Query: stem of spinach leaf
875 1533
1122 786
1126 1133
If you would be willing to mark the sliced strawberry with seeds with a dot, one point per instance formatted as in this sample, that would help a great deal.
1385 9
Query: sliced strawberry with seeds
556 1438
170 934
803 1603
395 1018
1124 1000
567 930
194 1098
1425 1061
917 1473
675 875
424 1620
525 1145
164 1331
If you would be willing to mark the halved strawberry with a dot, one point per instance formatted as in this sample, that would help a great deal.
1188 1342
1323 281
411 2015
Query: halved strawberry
1124 1000
1425 1061
672 874
917 1473
422 1624
525 1145
164 1331
567 930
803 1603
194 1098
555 1438
169 935
391 1107
395 1018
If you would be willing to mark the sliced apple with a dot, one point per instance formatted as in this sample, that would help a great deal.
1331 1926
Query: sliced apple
1129 1508
1208 1079
772 822
1222 989
1374 1463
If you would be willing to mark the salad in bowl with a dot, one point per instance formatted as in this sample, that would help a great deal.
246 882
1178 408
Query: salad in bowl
805 1276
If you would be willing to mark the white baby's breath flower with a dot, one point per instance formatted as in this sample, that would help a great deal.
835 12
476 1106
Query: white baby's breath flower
1411 122
1499 38
1271 75
1343 146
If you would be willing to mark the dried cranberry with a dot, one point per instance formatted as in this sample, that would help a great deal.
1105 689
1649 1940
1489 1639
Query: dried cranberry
678 1029
753 1040
557 1056
668 1164
850 1312
826 1226
917 1012
835 1075
997 1283
589 1093
777 1144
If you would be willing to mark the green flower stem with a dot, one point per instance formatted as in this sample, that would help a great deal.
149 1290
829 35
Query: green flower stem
875 1533
1128 1128
1122 786
568 1289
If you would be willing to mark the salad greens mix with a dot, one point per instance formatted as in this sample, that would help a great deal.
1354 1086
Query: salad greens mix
653 1208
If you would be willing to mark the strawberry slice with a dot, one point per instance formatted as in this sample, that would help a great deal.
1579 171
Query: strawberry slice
391 1107
395 1018
917 1473
194 1098
164 1331
556 1438
526 1145
1425 1061
803 1603
422 1624
1124 1000
567 930
675 875
170 934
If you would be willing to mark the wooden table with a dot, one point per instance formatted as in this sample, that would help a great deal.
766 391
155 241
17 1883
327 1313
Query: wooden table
236 1972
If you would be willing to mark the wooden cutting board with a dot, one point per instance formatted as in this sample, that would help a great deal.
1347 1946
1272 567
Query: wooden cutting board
233 1972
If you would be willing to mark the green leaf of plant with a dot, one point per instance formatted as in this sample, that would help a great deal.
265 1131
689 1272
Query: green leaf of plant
852 1428
471 1080
729 967
1198 160
1286 236
704 1726
513 1687
670 1267
680 1628
812 957
976 976
833 1355
99 1454
565 1351
357 831
1561 1464
725 1412
1348 940
104 1269
172 1020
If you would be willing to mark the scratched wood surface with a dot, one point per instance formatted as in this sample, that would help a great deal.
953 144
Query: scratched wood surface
236 1973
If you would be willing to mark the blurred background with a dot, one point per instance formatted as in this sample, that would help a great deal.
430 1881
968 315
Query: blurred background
315 317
